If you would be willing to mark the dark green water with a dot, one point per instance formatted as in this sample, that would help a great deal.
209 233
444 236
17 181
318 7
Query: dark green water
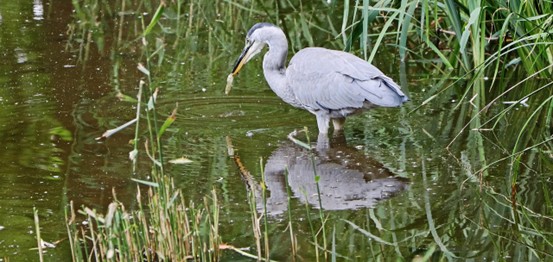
54 103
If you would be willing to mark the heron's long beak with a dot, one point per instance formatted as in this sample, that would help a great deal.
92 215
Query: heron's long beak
249 52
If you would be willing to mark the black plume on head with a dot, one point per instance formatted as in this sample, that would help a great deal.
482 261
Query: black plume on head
257 26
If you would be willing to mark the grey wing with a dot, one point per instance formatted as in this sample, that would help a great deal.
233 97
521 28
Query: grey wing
334 80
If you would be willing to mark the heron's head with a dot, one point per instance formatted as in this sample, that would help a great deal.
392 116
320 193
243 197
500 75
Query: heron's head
258 36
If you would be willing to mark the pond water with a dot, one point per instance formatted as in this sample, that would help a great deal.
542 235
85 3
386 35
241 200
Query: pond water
392 187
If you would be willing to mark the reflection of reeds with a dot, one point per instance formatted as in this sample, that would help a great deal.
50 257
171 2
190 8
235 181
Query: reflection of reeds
488 44
38 238
481 40
257 200
463 42
163 227
293 237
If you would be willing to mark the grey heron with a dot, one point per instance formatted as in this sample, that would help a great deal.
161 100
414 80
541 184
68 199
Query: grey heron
328 83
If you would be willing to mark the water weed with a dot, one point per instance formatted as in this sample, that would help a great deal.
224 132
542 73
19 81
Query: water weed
484 96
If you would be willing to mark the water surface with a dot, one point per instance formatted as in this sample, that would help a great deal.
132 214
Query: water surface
57 97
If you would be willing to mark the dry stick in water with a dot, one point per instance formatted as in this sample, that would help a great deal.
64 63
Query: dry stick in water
252 188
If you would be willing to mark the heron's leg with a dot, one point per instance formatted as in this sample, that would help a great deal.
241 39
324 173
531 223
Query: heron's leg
323 144
322 122
338 123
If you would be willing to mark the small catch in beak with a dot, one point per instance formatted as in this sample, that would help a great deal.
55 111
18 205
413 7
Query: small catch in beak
230 78
242 60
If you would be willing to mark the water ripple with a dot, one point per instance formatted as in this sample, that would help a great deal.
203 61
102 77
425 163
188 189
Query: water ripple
236 111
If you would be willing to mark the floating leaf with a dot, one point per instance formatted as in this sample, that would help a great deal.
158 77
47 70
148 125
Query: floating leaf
180 161
45 244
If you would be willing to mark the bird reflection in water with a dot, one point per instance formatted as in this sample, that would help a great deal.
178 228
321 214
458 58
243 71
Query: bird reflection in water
348 179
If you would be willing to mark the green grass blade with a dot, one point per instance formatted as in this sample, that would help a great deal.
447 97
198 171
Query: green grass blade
387 25
405 22
474 15
144 182
155 19
170 119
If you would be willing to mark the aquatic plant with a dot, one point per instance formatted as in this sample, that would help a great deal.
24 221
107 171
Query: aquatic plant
489 59
164 226
479 43
493 57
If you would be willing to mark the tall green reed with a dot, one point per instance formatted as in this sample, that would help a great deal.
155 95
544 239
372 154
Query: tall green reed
164 227
466 40
482 41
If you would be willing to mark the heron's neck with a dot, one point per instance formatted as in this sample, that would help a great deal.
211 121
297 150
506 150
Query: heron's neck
274 69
